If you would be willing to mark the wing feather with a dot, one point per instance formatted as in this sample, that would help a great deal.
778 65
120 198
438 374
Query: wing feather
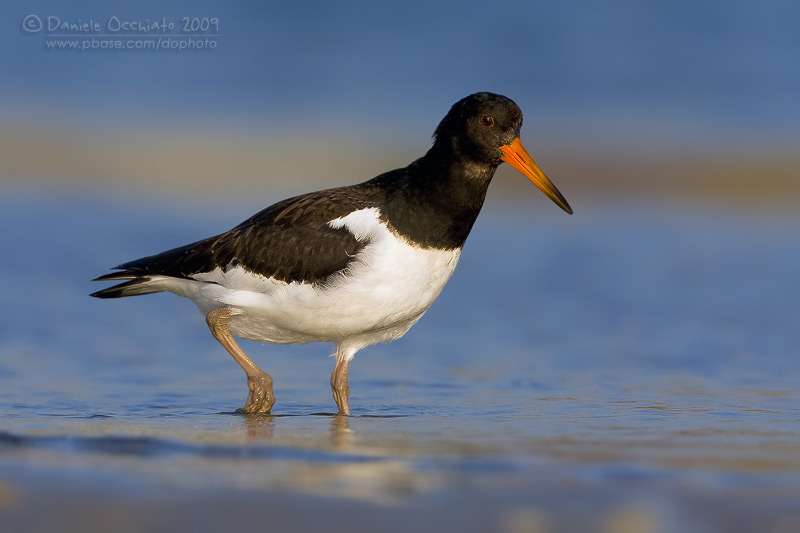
290 241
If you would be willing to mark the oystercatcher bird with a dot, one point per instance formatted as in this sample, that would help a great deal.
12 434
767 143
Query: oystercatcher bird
352 265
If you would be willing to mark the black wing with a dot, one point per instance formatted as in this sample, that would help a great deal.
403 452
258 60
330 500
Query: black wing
290 241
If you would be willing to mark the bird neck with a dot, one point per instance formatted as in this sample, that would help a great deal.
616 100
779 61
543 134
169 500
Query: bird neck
439 199
455 177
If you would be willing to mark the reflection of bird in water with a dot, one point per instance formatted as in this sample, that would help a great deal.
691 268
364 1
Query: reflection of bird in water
341 434
353 265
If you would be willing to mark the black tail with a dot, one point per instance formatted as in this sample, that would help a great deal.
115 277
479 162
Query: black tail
134 286
139 275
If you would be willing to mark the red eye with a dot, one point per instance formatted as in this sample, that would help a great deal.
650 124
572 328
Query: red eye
487 120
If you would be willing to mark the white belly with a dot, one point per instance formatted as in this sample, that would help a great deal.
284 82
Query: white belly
377 298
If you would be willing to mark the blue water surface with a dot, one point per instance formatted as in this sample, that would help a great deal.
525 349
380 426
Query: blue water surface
637 360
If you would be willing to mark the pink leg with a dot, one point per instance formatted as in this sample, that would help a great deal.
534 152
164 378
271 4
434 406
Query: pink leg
339 385
261 398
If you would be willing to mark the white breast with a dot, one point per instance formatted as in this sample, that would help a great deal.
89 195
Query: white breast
378 297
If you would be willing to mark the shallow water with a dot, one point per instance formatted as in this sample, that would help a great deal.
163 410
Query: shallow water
618 370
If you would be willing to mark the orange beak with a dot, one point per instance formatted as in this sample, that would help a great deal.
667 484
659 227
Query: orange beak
515 155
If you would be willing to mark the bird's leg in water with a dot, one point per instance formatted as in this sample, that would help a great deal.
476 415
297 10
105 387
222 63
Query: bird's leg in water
339 385
261 397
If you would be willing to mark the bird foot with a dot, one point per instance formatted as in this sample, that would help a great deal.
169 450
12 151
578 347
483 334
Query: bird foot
261 397
339 386
342 401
